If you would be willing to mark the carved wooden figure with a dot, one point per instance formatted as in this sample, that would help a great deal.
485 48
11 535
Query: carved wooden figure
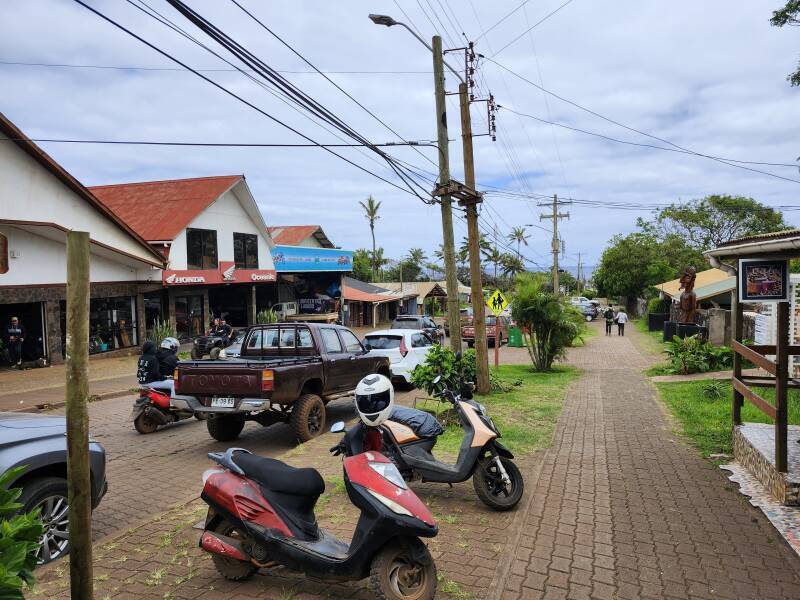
688 300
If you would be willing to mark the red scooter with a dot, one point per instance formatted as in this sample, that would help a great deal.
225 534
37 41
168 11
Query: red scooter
154 408
261 514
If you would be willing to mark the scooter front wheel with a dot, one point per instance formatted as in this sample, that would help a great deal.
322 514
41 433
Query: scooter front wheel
403 572
490 488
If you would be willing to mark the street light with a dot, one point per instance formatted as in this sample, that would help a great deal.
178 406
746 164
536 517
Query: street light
389 22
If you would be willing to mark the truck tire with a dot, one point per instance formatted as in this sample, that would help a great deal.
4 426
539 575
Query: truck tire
225 428
308 417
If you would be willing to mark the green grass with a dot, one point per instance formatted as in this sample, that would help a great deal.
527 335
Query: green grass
653 341
707 422
590 331
526 416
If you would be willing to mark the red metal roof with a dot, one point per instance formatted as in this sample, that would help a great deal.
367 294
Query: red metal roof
160 210
355 295
292 235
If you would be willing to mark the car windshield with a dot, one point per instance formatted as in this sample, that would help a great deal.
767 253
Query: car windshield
383 342
491 320
407 324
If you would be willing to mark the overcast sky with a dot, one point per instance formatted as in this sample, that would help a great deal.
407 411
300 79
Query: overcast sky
709 76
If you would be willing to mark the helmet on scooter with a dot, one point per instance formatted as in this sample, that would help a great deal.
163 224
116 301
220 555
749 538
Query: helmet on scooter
374 399
170 343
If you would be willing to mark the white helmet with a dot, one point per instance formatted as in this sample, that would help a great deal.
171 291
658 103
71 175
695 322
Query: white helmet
170 343
374 399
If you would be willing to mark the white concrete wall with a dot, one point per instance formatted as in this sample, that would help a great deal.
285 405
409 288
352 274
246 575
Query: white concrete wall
310 242
29 192
226 216
44 261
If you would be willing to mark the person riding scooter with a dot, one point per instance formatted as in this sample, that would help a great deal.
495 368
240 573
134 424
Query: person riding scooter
147 369
167 357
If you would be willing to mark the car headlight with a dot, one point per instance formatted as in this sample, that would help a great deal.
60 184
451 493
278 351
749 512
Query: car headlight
389 472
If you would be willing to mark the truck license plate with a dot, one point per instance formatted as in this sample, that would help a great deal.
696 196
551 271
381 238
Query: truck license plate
223 402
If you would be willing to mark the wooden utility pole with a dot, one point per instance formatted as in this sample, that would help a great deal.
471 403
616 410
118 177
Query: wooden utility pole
78 481
451 274
578 278
555 215
473 236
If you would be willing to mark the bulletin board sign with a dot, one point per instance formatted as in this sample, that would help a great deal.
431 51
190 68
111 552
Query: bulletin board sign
763 280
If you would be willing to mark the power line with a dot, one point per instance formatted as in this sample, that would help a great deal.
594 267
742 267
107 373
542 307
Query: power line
236 96
205 69
210 144
535 25
501 20
629 128
642 145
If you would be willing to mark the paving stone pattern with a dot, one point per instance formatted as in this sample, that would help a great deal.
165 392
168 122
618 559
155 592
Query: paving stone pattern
623 509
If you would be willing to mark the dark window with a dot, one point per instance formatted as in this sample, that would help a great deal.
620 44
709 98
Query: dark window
351 343
245 250
417 340
331 341
383 342
201 248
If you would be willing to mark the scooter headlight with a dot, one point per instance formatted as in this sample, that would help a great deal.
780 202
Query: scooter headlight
482 408
390 504
389 471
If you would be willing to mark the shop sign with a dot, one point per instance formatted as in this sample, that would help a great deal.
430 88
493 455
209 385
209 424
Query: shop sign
296 259
226 272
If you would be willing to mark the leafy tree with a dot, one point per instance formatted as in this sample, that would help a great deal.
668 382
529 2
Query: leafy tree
494 257
788 15
549 322
362 264
631 265
410 271
19 539
417 256
518 235
710 221
434 269
512 265
371 213
378 261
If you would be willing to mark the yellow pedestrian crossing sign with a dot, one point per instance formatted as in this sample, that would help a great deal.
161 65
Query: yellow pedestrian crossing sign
497 302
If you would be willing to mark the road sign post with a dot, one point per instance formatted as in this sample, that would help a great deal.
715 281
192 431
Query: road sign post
497 303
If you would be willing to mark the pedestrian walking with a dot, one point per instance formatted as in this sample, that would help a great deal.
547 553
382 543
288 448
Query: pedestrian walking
622 318
609 317
15 335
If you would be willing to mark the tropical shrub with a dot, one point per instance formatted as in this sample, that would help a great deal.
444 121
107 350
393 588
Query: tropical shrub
266 316
658 305
160 331
693 354
714 389
19 539
550 324
442 361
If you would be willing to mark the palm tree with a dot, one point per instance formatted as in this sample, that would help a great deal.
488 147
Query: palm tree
495 257
417 256
371 213
512 265
518 235
378 261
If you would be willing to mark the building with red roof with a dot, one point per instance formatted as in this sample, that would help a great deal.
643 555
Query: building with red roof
311 236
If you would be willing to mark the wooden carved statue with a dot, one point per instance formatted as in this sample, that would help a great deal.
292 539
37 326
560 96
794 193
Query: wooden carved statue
688 301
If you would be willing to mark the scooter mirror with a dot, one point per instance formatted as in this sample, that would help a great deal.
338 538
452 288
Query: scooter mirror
337 427
437 379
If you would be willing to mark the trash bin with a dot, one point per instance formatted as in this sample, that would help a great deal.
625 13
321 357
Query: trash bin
514 337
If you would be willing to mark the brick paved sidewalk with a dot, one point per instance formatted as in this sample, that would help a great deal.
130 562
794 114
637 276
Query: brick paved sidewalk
624 509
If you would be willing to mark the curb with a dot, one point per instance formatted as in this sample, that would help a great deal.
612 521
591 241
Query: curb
61 404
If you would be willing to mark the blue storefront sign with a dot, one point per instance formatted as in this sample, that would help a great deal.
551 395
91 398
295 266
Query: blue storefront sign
298 259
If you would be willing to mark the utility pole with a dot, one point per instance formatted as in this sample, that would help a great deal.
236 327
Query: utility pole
556 247
451 275
578 278
77 395
473 235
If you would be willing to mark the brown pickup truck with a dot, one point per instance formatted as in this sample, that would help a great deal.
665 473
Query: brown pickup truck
286 372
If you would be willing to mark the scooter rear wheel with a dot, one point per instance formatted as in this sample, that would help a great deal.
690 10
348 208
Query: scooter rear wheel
489 486
144 424
400 572
230 568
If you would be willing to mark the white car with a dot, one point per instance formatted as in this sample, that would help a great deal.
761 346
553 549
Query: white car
405 348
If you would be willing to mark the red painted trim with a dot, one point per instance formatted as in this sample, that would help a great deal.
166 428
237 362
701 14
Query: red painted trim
224 273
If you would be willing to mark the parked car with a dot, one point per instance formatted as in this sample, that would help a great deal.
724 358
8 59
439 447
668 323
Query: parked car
235 348
589 310
420 323
40 443
286 372
465 317
205 344
577 300
496 329
405 349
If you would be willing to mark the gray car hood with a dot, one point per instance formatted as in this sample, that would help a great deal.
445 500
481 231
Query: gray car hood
25 427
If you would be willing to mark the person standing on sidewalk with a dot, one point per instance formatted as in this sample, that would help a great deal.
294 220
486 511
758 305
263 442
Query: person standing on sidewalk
621 319
609 317
15 335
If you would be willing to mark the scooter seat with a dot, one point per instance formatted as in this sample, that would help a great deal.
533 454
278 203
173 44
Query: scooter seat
279 477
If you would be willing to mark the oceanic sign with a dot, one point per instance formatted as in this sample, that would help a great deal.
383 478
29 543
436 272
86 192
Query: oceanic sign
497 302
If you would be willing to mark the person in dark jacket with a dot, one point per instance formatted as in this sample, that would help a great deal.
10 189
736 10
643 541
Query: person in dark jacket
609 316
147 369
15 335
167 357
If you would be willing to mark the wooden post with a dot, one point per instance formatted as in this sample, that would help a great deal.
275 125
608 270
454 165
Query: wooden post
738 329
781 388
78 479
